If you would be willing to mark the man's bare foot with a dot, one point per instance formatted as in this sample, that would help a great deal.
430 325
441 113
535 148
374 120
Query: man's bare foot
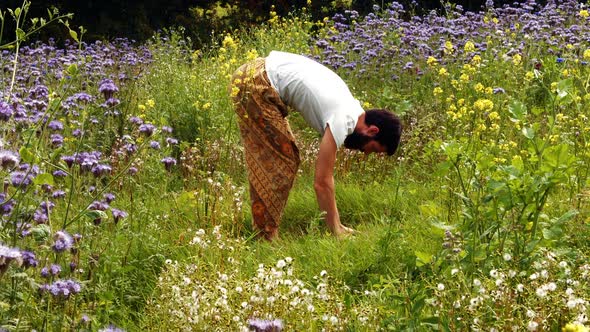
343 232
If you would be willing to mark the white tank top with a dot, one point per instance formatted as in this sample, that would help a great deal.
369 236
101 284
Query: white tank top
316 92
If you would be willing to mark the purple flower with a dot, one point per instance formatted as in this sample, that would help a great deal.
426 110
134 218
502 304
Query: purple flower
58 194
135 120
147 129
107 87
8 255
171 141
56 140
62 289
498 91
111 328
62 241
168 162
55 269
69 160
8 159
60 174
55 125
6 205
155 145
21 179
109 197
560 60
5 111
97 205
166 129
40 217
262 325
100 170
132 170
118 215
29 259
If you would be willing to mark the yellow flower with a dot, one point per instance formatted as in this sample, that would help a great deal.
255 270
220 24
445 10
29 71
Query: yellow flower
141 107
469 47
476 60
206 106
234 91
575 327
587 54
565 73
489 90
516 59
479 87
443 72
229 42
150 103
252 54
464 78
461 102
495 20
367 105
437 91
584 13
483 105
529 76
493 116
449 48
554 87
431 61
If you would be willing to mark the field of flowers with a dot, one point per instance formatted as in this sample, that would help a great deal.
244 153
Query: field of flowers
124 196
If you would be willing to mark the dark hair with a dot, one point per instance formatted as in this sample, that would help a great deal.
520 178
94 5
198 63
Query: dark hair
390 128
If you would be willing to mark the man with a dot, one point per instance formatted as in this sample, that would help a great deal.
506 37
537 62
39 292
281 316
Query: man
262 90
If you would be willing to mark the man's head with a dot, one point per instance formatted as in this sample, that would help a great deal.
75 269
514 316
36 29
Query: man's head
381 133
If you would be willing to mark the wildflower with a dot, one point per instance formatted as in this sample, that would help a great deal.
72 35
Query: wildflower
574 327
498 91
109 197
584 13
147 129
62 241
111 328
155 145
107 87
587 54
261 325
5 111
483 105
437 91
118 215
469 47
440 287
55 125
62 288
431 61
171 141
168 163
520 288
8 255
507 257
6 205
532 326
281 264
8 159
135 120
517 59
29 259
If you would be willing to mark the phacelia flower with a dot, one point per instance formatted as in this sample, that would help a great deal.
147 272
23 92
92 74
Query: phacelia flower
8 159
168 162
62 241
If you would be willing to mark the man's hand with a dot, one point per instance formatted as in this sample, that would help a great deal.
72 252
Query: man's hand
324 184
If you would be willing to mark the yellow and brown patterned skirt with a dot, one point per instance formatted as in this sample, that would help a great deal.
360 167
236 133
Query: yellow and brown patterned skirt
271 154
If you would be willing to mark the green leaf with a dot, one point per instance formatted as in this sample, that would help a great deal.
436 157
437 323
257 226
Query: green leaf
41 232
72 69
95 214
74 35
518 110
26 155
44 178
553 233
17 12
564 87
528 132
422 258
20 34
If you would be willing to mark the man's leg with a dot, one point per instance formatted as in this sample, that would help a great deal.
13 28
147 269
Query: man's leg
271 154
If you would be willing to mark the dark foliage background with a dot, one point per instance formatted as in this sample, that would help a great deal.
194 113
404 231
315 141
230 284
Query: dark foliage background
139 19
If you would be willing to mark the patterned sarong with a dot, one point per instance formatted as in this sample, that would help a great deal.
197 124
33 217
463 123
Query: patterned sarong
272 157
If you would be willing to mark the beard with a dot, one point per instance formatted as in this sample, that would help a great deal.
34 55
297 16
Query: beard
356 141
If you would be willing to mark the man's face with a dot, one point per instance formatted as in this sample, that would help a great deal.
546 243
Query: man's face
363 143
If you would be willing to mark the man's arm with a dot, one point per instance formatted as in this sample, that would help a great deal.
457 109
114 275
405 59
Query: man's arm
324 182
